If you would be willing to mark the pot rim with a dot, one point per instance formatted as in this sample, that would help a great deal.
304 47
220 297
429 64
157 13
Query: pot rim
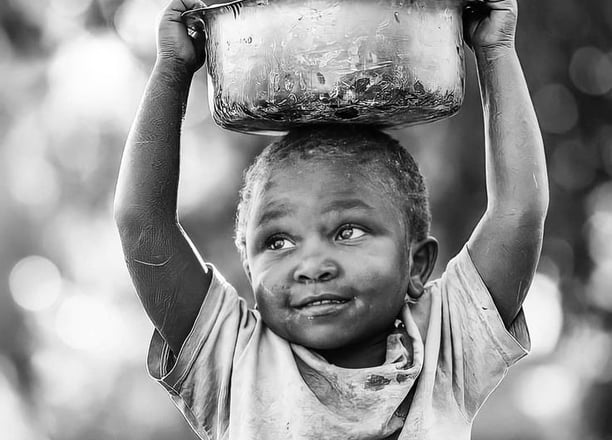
233 4
203 9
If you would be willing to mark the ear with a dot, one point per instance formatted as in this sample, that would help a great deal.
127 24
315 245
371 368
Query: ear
423 255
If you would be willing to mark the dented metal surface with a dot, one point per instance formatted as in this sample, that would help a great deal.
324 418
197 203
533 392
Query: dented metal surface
276 64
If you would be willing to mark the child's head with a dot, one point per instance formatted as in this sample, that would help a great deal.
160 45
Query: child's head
330 224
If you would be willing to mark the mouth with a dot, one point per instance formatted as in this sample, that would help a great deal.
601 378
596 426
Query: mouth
324 304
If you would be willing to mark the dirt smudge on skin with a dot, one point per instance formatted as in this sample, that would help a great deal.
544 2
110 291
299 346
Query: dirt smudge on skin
376 382
402 377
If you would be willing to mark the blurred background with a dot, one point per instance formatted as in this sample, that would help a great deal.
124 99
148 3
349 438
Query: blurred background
73 336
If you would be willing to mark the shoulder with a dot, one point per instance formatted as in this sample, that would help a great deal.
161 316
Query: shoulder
223 327
460 304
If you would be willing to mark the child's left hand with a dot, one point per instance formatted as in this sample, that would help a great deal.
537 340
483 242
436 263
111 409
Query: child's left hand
490 24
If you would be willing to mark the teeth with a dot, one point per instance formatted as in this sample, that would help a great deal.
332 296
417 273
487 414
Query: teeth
325 301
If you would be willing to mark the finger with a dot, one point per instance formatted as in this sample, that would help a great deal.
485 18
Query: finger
181 6
476 11
500 5
175 9
472 17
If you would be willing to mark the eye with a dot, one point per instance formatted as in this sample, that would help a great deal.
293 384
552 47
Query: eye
349 232
279 243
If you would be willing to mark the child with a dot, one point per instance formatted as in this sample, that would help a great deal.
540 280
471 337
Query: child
349 340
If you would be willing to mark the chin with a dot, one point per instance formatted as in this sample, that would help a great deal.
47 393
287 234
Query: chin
335 340
316 339
323 344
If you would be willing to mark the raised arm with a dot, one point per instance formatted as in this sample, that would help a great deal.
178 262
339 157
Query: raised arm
506 244
168 273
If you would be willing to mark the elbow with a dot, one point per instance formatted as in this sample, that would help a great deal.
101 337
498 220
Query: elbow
137 224
537 207
533 213
124 216
527 204
129 225
529 212
131 222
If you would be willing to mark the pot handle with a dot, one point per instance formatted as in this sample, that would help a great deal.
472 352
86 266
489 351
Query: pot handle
194 18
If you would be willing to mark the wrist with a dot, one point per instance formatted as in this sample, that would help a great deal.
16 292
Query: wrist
172 74
486 55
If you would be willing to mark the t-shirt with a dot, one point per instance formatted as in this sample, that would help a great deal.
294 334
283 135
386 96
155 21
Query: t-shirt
234 379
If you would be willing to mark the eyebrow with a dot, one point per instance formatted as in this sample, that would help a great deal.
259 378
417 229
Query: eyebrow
276 210
346 205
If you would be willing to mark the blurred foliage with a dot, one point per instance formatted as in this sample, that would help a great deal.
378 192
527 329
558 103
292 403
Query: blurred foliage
73 337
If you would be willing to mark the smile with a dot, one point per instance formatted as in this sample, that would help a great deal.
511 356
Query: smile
322 305
323 302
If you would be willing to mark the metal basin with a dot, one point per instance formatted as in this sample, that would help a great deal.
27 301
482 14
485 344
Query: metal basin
277 64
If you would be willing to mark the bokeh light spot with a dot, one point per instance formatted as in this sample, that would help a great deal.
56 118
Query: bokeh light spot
544 299
90 322
71 8
547 391
556 108
35 283
600 285
198 188
93 78
570 166
600 236
135 23
591 71
600 199
35 186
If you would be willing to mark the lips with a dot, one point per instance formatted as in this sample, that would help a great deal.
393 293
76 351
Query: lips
319 300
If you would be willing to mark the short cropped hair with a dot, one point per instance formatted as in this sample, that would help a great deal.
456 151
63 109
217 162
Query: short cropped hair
369 150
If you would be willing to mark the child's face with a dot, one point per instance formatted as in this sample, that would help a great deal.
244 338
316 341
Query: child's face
327 253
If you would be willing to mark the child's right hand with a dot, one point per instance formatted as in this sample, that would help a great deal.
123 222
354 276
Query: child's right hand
177 51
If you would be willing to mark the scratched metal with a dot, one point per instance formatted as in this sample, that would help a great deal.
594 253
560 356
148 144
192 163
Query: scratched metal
276 64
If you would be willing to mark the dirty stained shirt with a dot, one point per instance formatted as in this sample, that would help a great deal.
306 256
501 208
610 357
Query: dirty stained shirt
234 379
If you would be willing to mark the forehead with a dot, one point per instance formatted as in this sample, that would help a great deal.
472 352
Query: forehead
341 172
326 186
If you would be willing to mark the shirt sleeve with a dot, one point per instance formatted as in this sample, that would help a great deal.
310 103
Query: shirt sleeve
199 377
476 348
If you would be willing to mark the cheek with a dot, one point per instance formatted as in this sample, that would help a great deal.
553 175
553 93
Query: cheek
273 305
385 265
269 293
385 280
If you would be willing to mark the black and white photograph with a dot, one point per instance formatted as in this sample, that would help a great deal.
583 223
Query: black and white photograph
306 220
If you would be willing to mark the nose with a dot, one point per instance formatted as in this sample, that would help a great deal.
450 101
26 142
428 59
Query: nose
315 269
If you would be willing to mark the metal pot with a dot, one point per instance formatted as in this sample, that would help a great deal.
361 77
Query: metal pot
277 64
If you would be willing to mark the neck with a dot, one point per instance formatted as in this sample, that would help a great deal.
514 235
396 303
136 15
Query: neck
364 354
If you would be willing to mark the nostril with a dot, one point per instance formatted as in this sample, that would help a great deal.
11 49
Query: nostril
312 274
304 279
325 276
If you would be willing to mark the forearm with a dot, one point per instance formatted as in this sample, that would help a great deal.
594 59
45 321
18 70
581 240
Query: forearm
506 244
516 167
168 273
149 174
